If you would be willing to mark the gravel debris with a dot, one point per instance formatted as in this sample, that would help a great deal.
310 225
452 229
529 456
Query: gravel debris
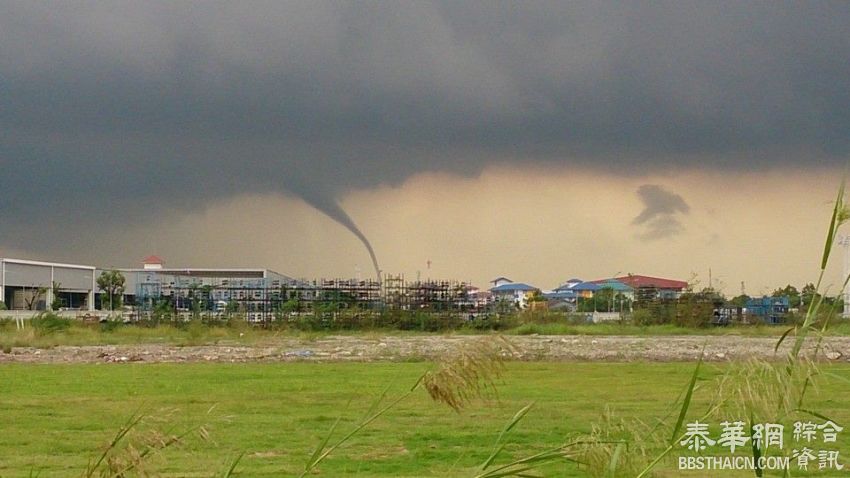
430 347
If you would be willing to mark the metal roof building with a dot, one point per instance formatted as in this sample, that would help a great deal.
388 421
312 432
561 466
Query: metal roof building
639 281
33 285
649 288
614 284
513 286
586 287
256 290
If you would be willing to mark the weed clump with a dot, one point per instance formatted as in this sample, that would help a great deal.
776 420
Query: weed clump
47 323
468 373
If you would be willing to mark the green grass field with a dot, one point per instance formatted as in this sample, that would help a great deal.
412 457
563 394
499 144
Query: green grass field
56 417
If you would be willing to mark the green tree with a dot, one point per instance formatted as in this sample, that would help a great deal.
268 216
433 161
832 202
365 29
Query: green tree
808 294
791 292
696 309
291 305
710 293
740 301
35 297
57 302
195 299
233 306
112 285
285 309
163 309
604 299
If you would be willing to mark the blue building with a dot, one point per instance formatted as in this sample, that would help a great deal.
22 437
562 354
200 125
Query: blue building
771 309
514 292
562 300
585 289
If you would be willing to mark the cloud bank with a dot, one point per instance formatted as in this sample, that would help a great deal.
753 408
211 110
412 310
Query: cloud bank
659 214
118 112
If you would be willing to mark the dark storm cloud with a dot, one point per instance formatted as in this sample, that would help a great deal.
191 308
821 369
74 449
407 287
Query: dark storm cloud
659 214
115 111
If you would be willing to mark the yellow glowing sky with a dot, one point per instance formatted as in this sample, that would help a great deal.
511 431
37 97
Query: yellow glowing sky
541 226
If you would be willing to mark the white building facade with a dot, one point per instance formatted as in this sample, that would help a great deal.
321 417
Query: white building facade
33 285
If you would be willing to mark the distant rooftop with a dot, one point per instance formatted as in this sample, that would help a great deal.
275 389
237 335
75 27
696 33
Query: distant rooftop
561 294
589 286
223 273
513 286
637 281
613 284
43 263
153 263
569 284
153 259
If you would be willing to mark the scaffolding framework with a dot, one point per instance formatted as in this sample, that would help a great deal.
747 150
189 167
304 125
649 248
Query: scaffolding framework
264 299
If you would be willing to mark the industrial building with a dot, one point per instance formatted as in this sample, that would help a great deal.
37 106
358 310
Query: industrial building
257 292
263 294
33 285
425 294
770 309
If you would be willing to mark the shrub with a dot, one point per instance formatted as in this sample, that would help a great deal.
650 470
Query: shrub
643 317
48 323
110 325
237 321
195 331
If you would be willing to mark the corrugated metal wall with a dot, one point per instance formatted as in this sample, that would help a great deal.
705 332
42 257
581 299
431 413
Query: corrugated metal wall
73 279
25 275
29 275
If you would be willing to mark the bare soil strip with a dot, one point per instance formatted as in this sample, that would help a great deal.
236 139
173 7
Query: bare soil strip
388 349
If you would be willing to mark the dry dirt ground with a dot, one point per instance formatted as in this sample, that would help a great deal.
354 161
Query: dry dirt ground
366 349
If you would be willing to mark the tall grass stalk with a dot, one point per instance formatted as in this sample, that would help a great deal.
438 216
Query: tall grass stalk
840 215
130 450
459 377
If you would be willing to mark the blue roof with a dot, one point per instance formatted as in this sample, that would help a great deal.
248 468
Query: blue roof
565 294
513 286
568 285
614 284
766 301
586 286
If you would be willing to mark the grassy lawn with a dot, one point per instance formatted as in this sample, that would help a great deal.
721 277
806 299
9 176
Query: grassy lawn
56 417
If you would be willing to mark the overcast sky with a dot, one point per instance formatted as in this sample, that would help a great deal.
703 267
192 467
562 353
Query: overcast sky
122 124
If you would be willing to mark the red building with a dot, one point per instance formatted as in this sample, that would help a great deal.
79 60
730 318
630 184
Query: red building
650 288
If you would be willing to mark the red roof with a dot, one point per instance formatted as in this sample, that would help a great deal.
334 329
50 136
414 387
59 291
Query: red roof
153 260
638 281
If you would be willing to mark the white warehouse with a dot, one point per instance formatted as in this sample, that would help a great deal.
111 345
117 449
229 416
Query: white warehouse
33 285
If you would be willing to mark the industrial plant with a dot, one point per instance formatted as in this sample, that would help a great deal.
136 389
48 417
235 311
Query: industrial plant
264 296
